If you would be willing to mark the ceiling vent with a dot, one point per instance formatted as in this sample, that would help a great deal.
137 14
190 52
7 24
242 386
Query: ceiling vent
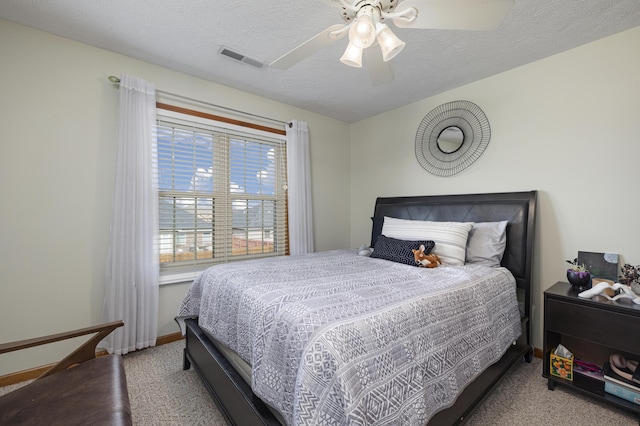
225 51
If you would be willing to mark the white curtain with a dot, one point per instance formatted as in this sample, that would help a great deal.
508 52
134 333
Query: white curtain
299 192
132 272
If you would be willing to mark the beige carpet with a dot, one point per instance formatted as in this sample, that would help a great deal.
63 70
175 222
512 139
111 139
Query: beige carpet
161 393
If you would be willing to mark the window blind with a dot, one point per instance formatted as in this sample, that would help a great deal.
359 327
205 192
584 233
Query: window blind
222 194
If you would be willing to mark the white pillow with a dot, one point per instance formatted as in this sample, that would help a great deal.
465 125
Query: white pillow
486 244
450 237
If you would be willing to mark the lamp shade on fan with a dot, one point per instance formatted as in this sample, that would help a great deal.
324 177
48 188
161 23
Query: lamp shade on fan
363 32
352 56
389 43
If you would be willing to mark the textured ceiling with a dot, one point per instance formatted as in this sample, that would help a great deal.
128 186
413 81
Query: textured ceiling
187 36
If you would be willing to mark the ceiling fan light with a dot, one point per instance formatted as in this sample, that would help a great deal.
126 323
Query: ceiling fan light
352 56
389 43
363 32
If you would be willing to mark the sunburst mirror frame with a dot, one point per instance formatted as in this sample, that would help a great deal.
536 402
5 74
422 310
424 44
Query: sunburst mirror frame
463 115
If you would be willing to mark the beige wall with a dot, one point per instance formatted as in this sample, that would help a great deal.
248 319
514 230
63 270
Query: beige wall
57 128
567 126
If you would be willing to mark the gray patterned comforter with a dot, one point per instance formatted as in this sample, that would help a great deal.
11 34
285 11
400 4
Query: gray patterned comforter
334 338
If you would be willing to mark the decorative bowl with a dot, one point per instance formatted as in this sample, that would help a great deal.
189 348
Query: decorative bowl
579 280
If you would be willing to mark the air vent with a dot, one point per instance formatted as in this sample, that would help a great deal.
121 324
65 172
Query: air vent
225 51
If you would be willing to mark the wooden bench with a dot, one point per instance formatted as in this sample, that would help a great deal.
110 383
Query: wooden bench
81 389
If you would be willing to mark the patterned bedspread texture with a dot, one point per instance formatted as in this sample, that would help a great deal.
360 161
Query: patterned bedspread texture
334 338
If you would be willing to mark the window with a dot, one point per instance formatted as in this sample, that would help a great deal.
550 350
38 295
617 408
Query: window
222 192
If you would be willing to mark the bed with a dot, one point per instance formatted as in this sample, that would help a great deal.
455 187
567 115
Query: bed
329 376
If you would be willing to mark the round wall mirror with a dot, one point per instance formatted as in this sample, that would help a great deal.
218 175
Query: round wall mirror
451 137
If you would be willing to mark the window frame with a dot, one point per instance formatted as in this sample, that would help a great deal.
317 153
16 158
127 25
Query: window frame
177 274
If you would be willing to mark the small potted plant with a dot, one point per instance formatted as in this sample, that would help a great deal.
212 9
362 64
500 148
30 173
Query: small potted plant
578 275
631 277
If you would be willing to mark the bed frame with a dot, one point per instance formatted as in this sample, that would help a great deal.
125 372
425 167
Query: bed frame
241 407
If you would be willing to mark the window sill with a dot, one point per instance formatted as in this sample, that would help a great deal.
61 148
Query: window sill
178 277
189 273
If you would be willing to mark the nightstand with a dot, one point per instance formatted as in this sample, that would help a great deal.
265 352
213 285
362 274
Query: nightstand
592 329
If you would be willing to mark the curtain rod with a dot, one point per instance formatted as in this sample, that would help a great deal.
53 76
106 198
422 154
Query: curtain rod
116 80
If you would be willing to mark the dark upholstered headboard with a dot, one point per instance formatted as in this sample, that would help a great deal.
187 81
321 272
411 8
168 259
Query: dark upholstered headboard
516 207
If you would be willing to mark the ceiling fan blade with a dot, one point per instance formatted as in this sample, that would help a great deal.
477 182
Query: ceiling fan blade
380 72
339 3
307 48
455 14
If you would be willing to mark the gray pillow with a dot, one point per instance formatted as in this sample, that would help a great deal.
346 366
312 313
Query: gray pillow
486 243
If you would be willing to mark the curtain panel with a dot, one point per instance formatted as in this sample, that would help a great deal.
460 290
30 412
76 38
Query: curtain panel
132 271
299 188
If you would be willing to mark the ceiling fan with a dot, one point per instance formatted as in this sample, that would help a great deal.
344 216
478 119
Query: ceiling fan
366 25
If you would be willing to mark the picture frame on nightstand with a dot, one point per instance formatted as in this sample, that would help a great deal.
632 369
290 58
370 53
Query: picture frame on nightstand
601 265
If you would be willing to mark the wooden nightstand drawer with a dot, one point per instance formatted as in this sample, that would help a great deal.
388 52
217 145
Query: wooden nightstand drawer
589 323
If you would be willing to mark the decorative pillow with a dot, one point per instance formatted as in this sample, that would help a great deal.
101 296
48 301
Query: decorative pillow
486 244
399 250
450 237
